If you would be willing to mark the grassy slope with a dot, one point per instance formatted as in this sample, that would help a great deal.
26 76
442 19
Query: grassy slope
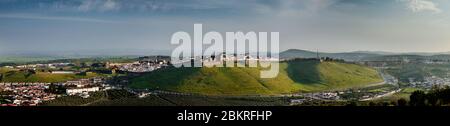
11 75
331 75
293 77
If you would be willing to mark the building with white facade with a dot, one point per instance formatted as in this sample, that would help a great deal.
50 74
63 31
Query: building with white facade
75 91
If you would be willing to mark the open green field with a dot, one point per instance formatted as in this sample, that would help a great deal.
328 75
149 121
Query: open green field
13 75
294 76
403 94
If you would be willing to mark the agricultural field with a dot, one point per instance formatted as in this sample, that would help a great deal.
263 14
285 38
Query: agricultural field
75 100
124 98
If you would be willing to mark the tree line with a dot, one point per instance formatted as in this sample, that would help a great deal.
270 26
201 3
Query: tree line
435 97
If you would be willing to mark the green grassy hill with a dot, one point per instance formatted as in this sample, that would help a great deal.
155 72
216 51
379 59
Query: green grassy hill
294 76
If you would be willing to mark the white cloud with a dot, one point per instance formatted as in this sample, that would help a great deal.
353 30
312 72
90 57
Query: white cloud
110 5
423 6
99 5
41 17
147 5
296 7
316 5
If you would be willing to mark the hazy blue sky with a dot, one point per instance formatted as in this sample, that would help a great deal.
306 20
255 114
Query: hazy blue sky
329 25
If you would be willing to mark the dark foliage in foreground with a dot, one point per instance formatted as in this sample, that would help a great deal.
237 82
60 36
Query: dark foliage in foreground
435 97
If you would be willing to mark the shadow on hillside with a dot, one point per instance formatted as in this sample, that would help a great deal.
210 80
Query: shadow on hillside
168 77
304 71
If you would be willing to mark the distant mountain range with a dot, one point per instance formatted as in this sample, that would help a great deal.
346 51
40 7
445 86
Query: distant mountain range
352 56
407 53
288 54
364 55
87 53
32 56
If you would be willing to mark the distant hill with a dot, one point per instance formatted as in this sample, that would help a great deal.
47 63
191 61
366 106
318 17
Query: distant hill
294 76
25 59
375 52
365 55
348 56
440 57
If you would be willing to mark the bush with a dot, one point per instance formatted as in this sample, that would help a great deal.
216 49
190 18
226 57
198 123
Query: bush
402 102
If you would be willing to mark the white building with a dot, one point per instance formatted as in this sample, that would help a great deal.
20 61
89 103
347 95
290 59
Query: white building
74 91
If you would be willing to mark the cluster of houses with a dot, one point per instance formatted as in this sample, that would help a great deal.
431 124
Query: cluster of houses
399 61
139 66
26 94
224 59
32 94
327 95
429 82
83 87
308 97
82 92
323 96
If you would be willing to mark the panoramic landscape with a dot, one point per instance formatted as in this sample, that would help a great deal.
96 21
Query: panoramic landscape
306 78
215 53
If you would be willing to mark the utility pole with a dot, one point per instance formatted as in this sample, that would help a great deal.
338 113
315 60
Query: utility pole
317 52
